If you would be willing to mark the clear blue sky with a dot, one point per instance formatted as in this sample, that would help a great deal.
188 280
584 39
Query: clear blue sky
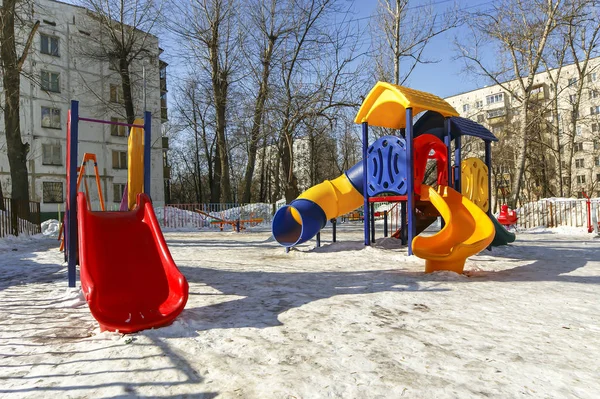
445 78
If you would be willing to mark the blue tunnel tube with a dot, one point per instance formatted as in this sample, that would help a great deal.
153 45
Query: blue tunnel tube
289 232
304 217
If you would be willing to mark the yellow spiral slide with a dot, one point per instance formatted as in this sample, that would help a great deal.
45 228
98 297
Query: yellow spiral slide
467 231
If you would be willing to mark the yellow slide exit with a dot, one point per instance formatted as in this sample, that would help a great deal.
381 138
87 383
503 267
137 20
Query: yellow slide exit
467 231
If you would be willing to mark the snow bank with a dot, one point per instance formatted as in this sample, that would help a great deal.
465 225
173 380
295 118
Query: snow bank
50 228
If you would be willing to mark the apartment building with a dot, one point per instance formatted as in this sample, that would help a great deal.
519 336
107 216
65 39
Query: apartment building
553 101
59 69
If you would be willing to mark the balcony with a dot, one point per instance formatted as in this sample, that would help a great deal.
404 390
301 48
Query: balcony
163 114
166 172
496 116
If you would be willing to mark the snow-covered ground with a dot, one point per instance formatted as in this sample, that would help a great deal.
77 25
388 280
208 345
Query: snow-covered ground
340 321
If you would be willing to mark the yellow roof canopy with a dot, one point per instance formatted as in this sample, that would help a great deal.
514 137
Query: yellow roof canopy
386 103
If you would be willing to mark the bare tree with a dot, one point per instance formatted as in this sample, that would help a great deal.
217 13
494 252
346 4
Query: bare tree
407 32
316 76
583 37
121 33
519 30
12 66
267 26
208 30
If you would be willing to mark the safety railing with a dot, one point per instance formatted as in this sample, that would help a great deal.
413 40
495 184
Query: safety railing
214 216
19 217
558 212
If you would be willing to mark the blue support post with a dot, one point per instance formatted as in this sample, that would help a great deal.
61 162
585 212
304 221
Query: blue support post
488 163
448 142
365 145
403 229
385 223
71 236
334 226
147 152
457 161
410 178
372 219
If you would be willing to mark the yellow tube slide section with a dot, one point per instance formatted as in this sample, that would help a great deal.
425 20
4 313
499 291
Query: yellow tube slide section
467 231
135 163
336 197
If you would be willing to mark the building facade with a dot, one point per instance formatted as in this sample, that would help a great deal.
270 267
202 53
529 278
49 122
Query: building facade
561 123
58 69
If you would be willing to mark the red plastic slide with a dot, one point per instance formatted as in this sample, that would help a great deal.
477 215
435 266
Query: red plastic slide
128 276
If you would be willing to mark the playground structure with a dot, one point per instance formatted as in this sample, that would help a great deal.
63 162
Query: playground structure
128 276
237 224
394 167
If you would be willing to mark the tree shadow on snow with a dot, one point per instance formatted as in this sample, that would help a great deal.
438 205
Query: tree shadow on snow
264 295
552 260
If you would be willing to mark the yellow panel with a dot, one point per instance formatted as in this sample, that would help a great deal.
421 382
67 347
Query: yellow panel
386 104
474 182
135 163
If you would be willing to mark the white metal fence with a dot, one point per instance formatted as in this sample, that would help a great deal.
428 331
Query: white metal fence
214 216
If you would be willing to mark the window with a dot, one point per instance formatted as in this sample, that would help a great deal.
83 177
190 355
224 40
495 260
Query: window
119 159
572 81
598 177
113 64
479 104
596 145
594 127
592 77
573 98
577 147
117 130
51 117
580 179
595 110
480 118
466 107
597 161
50 81
578 130
494 113
566 181
52 192
575 114
116 94
51 154
494 98
49 45
594 94
579 163
118 190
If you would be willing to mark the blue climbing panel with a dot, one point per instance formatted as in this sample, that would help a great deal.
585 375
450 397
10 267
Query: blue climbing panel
386 167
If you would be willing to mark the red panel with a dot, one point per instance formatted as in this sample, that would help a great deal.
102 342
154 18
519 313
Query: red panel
424 144
128 276
388 198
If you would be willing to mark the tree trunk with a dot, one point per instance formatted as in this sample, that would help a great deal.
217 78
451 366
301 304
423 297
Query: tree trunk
257 120
215 187
290 181
126 85
16 149
220 83
522 156
197 171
